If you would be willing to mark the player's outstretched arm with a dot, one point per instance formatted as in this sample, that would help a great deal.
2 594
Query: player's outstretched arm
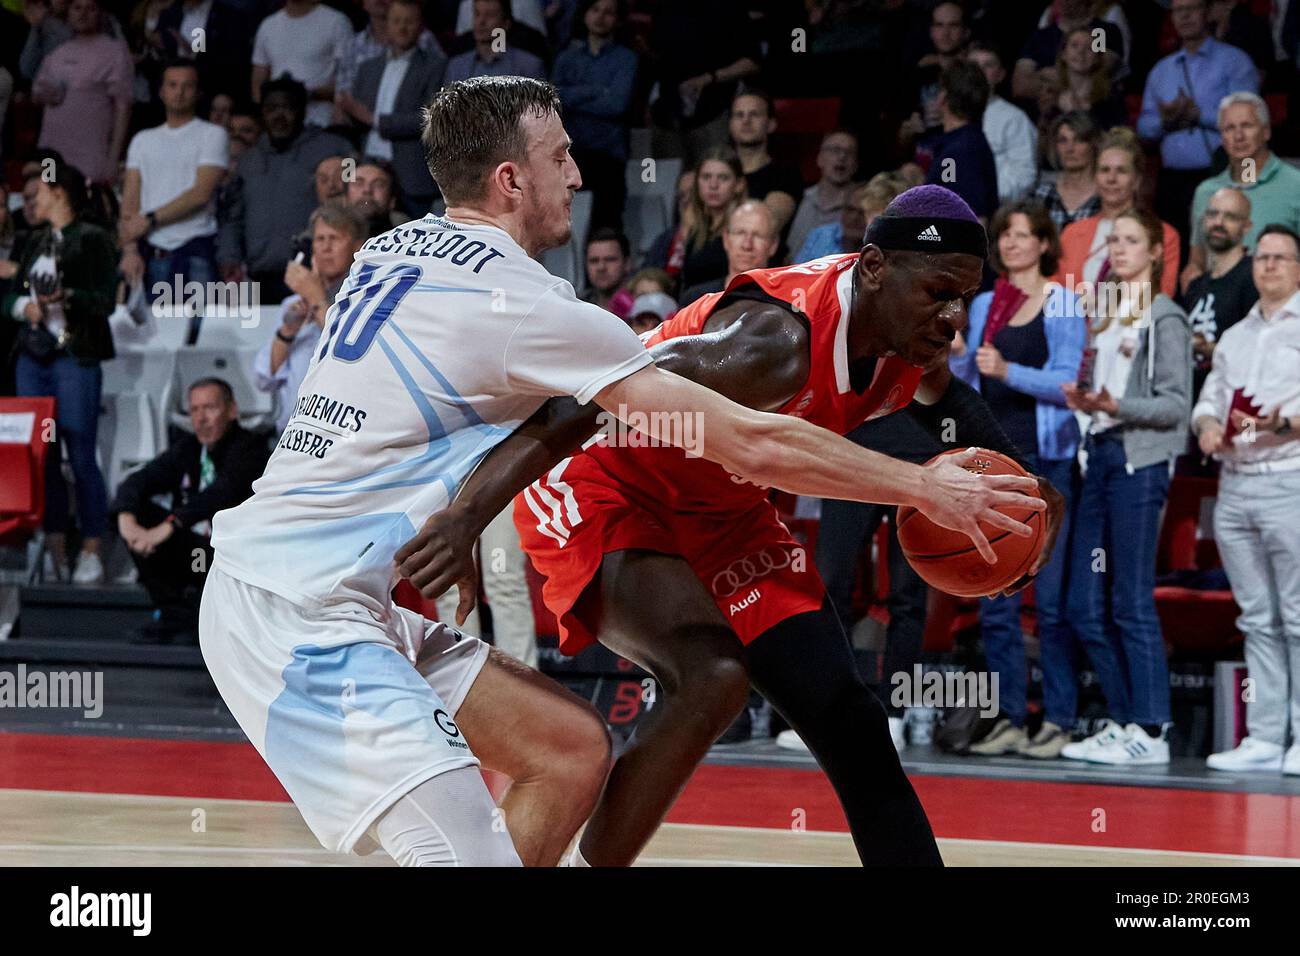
945 403
750 357
752 352
781 451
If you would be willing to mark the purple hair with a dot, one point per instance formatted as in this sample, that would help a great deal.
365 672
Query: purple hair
930 202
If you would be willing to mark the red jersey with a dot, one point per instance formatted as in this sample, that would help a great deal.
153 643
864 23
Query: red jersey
820 291
611 498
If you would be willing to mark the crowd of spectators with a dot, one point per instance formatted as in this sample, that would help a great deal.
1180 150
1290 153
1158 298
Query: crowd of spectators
1138 144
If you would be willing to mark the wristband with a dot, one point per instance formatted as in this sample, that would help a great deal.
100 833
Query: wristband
286 340
153 220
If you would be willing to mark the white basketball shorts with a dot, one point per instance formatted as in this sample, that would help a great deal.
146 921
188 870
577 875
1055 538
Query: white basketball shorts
333 702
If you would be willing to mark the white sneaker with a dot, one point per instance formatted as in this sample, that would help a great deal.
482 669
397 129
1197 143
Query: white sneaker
789 740
90 570
1291 762
1250 754
1084 749
898 732
1134 748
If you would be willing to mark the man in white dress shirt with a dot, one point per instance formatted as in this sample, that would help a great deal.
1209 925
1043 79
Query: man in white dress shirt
1248 417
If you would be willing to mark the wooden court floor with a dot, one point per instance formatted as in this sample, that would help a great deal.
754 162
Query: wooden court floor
45 828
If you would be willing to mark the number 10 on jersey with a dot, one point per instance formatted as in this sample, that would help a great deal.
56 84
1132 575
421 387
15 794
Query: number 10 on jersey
365 308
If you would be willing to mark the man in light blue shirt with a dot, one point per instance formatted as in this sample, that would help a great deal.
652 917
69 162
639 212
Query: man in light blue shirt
1180 104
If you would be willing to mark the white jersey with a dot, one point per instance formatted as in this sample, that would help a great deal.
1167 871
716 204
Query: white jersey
442 340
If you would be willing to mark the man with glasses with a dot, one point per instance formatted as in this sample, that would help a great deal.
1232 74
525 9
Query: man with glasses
1248 417
750 239
824 201
1220 297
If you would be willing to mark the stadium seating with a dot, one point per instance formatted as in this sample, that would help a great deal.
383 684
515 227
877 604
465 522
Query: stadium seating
800 125
133 428
22 466
257 409
23 447
1193 621
649 209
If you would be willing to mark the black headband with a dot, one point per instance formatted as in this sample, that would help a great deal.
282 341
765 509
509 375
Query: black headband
925 234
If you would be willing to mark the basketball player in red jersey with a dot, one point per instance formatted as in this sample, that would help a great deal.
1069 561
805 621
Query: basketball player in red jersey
686 570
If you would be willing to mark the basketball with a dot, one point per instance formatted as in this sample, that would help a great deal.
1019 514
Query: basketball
947 559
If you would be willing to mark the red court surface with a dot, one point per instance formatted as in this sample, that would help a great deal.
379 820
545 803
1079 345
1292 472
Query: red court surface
968 808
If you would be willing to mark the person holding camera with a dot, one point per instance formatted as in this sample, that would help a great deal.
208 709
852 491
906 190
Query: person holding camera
336 232
64 290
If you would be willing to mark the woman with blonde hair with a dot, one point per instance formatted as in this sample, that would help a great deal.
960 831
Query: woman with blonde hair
1133 406
695 254
1085 247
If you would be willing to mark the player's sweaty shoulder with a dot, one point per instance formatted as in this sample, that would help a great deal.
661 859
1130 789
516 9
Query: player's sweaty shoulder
755 352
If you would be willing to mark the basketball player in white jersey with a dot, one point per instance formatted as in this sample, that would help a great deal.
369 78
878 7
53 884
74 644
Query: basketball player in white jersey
444 338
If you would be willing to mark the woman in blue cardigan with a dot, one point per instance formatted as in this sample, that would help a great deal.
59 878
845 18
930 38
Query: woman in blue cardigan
1025 341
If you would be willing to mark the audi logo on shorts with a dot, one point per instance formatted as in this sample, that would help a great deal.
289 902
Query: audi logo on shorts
748 569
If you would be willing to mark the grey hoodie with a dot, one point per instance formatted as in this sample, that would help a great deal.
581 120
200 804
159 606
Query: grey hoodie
1158 398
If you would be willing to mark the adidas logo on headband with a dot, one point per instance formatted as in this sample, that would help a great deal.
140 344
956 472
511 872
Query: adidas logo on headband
921 234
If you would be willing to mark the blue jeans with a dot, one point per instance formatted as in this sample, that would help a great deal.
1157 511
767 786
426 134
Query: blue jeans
76 389
195 261
1004 646
1111 602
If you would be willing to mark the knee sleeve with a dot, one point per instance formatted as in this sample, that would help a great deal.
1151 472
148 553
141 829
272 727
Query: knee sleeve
448 820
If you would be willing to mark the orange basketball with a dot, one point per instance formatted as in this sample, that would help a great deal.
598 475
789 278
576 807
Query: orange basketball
947 559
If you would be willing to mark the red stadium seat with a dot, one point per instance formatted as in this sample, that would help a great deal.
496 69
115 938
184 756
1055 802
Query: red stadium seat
1133 104
800 124
807 115
1276 108
1192 621
22 466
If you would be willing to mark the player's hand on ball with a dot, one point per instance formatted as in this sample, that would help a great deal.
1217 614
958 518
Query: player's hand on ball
440 555
959 500
1055 512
